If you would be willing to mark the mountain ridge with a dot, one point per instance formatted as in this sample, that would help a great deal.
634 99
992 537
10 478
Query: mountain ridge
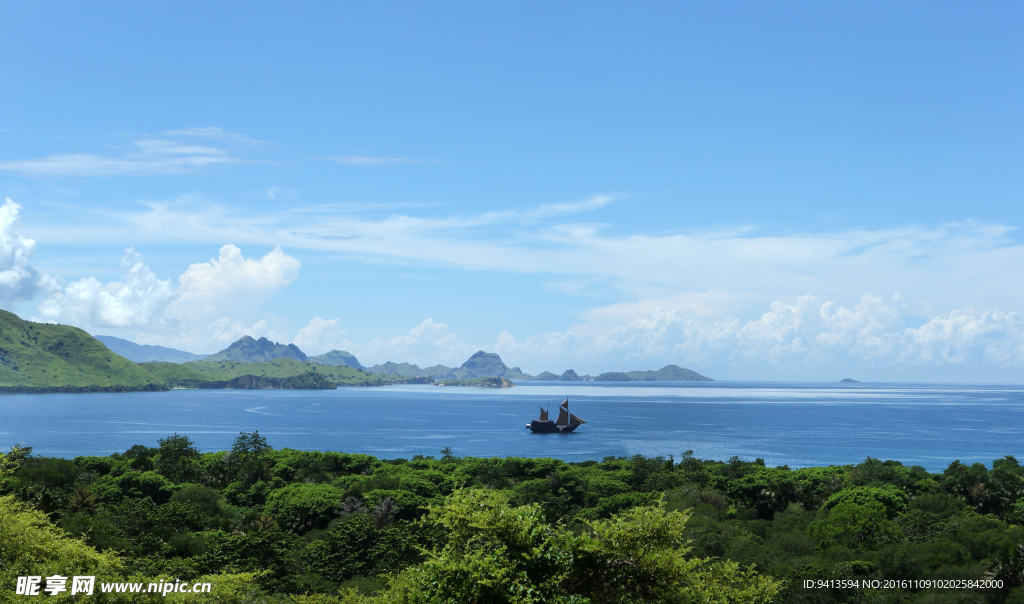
248 350
489 364
480 365
668 373
147 353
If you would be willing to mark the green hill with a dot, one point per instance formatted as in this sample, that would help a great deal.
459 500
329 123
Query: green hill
487 382
487 364
392 368
439 372
336 358
311 380
668 373
40 357
195 374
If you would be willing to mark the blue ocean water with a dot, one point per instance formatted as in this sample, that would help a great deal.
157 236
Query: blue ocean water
796 424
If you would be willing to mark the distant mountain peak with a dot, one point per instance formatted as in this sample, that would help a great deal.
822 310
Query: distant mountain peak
248 350
337 358
480 365
569 376
486 364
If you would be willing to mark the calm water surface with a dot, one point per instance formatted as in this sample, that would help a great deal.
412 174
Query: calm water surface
798 424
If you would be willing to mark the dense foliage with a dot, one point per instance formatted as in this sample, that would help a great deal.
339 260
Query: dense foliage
323 526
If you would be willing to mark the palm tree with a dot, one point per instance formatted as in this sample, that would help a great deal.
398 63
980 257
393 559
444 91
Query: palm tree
82 500
1009 567
351 505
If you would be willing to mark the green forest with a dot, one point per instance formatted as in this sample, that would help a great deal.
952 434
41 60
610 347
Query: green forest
268 525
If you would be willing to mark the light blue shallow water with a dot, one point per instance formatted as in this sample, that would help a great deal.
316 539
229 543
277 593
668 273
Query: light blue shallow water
798 424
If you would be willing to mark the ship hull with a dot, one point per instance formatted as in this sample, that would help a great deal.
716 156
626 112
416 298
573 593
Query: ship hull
548 428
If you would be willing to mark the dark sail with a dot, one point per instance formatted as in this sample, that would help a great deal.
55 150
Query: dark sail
563 417
575 421
543 414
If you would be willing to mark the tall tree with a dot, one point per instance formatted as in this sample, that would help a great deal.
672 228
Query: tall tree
178 458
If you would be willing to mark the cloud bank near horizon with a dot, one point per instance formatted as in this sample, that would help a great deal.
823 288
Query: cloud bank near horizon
733 330
809 338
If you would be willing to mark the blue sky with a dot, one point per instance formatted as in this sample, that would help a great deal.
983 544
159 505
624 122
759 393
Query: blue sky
785 191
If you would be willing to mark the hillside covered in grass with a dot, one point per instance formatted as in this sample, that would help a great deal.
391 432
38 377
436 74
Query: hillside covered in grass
668 373
487 382
194 374
40 358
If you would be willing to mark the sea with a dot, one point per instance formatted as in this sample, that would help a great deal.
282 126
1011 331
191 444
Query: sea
783 423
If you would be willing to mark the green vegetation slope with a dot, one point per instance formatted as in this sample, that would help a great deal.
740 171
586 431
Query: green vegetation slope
194 374
487 382
335 358
668 373
40 357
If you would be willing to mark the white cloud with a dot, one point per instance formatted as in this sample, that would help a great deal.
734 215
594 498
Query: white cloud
200 313
429 343
217 134
206 286
139 300
214 336
371 161
550 210
803 339
320 336
19 280
172 152
994 337
281 193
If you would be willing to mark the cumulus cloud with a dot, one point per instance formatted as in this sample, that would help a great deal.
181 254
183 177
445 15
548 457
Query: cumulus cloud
800 339
429 343
205 286
320 336
215 335
18 279
138 300
200 313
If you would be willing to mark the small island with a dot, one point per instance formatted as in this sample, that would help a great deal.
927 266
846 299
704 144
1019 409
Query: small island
849 381
487 382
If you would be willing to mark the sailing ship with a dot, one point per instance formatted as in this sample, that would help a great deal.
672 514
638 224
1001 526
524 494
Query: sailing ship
566 422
